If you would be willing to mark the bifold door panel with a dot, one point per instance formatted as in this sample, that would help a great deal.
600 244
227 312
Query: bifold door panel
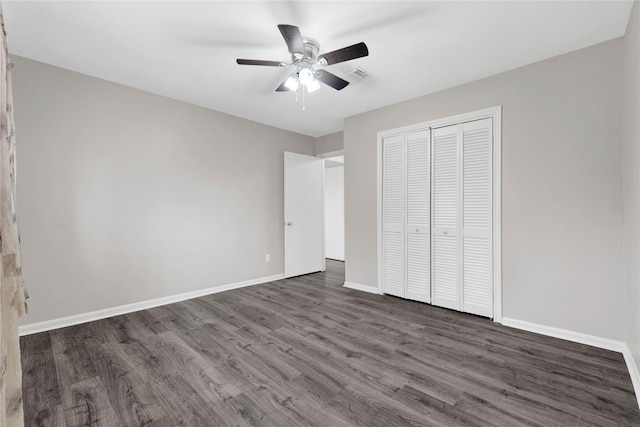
393 217
446 257
477 220
406 212
417 230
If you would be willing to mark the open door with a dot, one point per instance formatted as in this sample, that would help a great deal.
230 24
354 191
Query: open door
303 215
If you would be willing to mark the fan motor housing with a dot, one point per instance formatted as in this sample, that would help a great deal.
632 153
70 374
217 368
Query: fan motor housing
311 48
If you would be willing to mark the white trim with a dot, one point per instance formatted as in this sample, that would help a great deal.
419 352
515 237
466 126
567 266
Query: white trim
565 334
446 121
579 337
379 210
460 212
322 211
331 154
76 319
363 288
431 217
633 371
497 215
496 114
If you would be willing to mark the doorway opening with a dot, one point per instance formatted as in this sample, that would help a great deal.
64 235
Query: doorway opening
334 207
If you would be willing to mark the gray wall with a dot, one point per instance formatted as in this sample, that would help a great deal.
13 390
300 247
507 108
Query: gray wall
330 143
631 179
125 196
561 186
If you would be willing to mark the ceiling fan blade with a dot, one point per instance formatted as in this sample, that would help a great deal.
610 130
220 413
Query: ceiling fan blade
293 38
357 50
331 79
260 62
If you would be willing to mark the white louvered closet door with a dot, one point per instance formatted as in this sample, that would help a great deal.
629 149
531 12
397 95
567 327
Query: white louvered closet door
445 218
437 216
393 216
418 224
477 220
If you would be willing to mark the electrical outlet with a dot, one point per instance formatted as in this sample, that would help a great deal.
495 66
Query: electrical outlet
267 258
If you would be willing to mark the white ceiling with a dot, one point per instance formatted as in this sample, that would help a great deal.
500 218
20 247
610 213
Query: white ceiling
187 50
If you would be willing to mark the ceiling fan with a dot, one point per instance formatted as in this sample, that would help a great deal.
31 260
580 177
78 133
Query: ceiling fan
304 56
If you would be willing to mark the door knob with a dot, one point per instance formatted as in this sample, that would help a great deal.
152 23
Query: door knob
288 223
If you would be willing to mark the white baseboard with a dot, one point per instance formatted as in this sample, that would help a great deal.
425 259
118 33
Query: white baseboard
63 322
592 340
633 371
565 334
360 287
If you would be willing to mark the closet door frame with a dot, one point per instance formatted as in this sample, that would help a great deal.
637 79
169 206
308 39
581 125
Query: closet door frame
496 114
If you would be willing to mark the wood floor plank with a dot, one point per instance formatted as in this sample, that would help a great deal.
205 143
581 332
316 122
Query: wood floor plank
307 352
435 410
123 386
363 408
41 390
71 357
87 404
490 414
178 359
250 412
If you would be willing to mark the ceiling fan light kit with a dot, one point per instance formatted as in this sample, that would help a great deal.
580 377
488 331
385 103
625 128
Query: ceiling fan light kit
292 82
305 74
313 86
304 56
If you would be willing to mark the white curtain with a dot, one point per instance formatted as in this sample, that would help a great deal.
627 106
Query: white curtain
12 292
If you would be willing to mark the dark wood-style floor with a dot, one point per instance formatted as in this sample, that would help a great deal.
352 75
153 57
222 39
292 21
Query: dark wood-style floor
308 352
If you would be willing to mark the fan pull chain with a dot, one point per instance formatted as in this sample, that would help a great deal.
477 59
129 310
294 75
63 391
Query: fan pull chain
303 107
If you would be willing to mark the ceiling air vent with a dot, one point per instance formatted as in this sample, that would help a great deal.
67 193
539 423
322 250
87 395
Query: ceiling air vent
355 76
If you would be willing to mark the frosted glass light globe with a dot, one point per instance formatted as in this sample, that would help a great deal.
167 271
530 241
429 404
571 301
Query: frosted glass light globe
305 75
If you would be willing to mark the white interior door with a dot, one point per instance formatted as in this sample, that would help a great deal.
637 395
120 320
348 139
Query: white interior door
303 215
